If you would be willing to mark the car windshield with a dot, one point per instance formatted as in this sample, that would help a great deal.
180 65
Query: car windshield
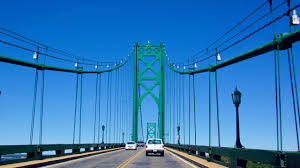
154 142
130 143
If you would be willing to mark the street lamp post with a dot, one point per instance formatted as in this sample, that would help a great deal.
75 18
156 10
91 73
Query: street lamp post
236 98
103 127
178 134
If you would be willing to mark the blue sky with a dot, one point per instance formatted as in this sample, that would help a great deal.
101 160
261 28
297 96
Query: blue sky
107 31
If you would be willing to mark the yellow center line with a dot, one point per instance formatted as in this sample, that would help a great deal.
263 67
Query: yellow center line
129 160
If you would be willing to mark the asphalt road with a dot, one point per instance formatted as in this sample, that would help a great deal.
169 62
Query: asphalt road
123 158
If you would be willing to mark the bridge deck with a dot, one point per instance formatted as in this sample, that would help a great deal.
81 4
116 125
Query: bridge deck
123 158
118 158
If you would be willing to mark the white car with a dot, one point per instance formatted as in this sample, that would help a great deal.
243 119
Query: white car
155 146
130 145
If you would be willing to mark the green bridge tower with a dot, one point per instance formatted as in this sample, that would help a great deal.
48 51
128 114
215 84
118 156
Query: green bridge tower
140 52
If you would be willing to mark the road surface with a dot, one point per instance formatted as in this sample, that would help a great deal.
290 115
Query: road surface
125 158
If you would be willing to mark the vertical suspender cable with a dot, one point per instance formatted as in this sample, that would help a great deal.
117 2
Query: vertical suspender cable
179 102
42 100
107 104
34 105
99 109
291 77
195 126
75 110
170 106
189 109
293 96
118 111
42 106
80 108
124 100
276 82
95 115
174 107
217 103
278 73
179 105
109 121
122 108
34 102
279 97
209 118
295 82
128 104
121 105
177 92
116 105
183 112
167 104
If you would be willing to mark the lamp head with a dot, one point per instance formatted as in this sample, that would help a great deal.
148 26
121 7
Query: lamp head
236 97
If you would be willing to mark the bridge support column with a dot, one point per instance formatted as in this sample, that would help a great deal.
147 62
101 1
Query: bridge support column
241 163
157 53
216 157
135 97
202 154
34 155
87 149
75 150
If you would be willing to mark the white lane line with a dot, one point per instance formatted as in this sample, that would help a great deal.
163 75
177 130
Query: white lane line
81 159
186 162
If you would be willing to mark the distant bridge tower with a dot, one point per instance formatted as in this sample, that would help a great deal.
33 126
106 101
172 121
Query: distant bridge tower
151 130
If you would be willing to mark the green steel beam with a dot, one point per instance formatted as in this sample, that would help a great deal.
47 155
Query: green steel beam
135 97
161 123
284 41
53 68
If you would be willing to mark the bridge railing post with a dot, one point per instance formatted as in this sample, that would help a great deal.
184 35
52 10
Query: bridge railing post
76 150
59 151
34 155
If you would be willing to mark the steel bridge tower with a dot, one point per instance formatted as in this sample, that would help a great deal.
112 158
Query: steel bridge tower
140 52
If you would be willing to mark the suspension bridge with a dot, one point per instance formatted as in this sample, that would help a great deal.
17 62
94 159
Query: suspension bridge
119 89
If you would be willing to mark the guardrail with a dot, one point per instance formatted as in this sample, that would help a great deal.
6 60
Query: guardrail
238 157
35 152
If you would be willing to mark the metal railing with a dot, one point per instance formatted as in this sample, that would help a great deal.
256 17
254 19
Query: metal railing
238 157
35 152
